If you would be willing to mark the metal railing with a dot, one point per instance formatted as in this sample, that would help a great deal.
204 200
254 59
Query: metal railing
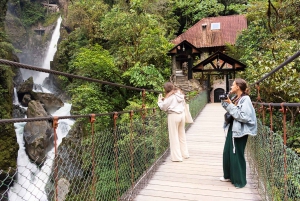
109 164
274 165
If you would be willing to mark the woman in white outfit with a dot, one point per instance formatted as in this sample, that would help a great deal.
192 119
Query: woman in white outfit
173 104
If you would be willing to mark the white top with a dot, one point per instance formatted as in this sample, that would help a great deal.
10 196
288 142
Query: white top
174 103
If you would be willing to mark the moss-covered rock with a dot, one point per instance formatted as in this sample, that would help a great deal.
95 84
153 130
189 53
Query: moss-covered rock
9 146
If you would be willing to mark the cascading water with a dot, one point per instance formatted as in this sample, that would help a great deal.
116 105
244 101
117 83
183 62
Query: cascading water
16 100
31 180
50 53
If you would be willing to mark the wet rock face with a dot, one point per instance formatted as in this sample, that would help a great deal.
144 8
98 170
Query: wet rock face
25 100
70 168
18 112
26 94
25 88
38 135
18 79
50 101
35 109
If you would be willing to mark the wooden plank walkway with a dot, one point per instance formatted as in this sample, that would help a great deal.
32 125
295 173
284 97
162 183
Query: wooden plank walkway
197 178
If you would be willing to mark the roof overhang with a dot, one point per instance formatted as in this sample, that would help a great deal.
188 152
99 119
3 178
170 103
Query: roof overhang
219 62
182 47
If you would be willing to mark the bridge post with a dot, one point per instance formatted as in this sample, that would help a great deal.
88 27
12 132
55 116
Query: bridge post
92 120
55 125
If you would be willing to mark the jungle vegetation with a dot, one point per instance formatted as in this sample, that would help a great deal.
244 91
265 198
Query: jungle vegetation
126 42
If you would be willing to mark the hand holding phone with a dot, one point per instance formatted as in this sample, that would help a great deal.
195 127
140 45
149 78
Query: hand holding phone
160 97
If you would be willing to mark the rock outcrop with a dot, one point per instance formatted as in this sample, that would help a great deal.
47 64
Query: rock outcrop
38 135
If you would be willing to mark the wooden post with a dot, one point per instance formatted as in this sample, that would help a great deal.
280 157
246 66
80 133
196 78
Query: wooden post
174 68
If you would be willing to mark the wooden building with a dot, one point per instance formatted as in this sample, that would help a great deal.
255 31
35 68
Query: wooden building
202 49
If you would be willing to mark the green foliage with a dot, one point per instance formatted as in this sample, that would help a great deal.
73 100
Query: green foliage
51 19
67 50
147 77
190 95
293 136
233 6
205 9
32 12
6 48
136 37
234 9
95 62
264 47
9 146
277 165
87 16
87 99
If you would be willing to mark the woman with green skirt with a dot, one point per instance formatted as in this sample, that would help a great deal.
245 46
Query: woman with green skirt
241 120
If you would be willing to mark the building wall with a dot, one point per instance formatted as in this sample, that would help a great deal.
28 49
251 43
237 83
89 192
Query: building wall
221 83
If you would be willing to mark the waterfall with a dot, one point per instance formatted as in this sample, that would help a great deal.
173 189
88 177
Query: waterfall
16 99
31 181
50 53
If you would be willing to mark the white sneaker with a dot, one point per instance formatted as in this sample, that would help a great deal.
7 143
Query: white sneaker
223 179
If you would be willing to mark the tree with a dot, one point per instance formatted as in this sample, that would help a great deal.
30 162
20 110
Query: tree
135 37
95 62
87 15
270 39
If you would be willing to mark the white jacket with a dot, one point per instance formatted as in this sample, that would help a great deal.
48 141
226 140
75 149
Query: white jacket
172 104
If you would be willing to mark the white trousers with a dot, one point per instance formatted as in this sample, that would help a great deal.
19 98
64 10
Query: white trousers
178 144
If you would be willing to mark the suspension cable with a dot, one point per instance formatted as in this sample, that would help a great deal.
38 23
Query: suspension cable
50 118
29 67
297 54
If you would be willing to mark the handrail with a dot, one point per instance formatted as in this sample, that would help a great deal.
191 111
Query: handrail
273 163
277 104
29 67
297 54
16 120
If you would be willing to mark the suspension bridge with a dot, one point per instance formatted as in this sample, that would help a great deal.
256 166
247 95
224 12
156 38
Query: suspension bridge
130 160
197 178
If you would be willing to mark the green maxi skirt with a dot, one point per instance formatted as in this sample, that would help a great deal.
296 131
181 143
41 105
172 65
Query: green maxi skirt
234 164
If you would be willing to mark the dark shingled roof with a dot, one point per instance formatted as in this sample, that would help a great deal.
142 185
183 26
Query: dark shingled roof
200 35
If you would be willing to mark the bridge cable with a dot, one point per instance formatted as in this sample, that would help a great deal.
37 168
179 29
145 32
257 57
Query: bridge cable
29 67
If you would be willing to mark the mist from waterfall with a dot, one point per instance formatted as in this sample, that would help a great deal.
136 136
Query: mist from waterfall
50 53
31 180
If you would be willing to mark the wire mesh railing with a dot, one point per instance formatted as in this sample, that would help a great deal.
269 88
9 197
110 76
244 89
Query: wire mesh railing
275 166
109 164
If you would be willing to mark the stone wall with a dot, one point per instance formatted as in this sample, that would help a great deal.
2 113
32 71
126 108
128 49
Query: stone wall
216 85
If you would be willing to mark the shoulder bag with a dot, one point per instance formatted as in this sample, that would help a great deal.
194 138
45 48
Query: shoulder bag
188 116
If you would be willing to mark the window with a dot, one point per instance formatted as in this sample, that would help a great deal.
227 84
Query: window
215 26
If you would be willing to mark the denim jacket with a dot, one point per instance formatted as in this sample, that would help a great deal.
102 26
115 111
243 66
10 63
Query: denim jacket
244 115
